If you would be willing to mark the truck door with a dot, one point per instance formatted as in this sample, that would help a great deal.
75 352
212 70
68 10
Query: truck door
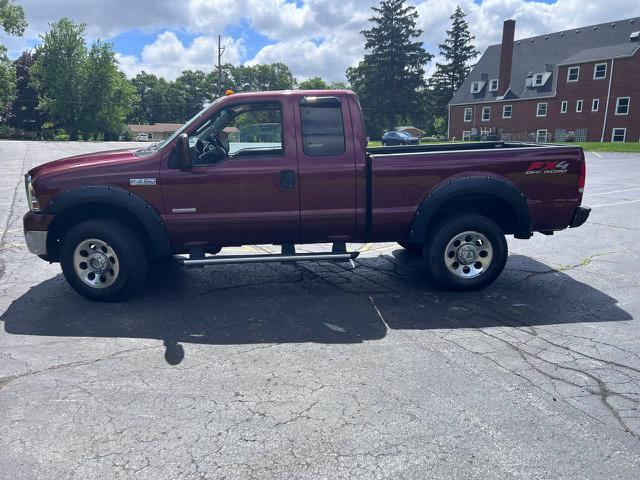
326 168
251 196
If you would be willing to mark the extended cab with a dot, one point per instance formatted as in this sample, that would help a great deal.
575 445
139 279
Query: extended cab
290 168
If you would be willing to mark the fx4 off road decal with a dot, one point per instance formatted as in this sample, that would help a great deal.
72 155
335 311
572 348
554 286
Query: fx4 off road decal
547 167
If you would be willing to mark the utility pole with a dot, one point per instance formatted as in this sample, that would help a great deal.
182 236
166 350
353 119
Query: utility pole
221 49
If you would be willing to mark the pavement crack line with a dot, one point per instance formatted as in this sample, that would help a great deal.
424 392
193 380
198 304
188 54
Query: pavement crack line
12 204
564 268
4 381
603 392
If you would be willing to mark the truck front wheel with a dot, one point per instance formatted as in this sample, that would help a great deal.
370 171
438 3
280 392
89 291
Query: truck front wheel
467 252
103 260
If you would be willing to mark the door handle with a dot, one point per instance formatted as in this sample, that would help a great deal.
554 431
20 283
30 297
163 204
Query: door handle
287 179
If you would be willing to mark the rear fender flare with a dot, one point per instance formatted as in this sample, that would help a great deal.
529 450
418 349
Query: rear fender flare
491 186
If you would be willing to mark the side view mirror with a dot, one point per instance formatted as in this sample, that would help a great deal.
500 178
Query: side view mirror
182 151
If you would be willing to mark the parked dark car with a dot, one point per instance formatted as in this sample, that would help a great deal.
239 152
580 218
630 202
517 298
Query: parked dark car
399 138
104 216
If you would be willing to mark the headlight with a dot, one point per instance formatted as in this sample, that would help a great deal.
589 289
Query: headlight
34 205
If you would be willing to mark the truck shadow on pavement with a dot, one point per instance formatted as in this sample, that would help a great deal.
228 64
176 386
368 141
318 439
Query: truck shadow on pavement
313 302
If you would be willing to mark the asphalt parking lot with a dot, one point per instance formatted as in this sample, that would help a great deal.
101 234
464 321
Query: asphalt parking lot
327 370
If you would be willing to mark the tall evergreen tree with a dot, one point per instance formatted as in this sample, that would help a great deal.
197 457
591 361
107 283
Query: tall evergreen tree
390 78
459 51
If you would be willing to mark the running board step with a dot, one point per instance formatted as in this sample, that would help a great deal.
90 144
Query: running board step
298 257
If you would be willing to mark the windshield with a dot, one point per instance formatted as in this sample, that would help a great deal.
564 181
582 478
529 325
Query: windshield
160 145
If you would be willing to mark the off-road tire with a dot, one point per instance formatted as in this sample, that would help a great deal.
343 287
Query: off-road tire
478 230
126 258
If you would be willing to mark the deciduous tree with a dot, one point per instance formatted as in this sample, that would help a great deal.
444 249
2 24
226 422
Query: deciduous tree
313 83
107 96
24 109
58 74
13 22
12 19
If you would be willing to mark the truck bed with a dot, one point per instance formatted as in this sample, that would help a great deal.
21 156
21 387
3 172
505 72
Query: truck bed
401 177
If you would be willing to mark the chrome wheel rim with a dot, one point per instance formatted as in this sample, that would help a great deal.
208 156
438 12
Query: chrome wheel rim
468 254
96 263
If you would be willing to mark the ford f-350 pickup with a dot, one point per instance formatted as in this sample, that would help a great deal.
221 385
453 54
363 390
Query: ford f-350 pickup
293 167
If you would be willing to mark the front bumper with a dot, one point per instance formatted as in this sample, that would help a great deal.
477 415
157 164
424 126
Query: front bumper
36 242
580 216
35 226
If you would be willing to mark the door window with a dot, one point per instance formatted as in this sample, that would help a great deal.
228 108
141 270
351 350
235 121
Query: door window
250 129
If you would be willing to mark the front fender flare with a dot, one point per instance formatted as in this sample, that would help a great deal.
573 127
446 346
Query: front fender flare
142 210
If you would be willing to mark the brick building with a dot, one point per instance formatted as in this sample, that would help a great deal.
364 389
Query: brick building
585 80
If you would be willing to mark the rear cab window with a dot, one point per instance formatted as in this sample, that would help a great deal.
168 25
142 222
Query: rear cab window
322 126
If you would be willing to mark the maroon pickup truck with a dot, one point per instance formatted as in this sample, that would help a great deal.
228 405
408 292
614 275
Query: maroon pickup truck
290 168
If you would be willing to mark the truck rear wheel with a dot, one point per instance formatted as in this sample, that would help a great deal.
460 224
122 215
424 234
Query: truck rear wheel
103 260
464 253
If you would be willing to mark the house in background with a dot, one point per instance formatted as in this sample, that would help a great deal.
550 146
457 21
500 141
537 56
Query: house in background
155 132
583 82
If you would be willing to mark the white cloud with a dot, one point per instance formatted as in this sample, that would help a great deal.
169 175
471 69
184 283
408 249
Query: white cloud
314 37
168 56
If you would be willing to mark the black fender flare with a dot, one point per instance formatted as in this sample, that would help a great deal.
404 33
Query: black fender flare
488 185
137 206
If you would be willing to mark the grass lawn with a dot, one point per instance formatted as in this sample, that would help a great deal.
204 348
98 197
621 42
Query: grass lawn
611 147
631 147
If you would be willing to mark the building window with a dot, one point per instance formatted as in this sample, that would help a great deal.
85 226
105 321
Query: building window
506 111
600 71
581 135
564 106
476 87
541 135
618 134
542 110
493 85
466 135
595 104
622 105
579 105
573 74
561 135
468 114
486 114
537 80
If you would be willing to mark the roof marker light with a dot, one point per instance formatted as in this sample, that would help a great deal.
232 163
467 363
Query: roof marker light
229 92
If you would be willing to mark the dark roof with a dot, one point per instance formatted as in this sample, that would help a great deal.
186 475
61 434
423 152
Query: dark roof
155 128
545 53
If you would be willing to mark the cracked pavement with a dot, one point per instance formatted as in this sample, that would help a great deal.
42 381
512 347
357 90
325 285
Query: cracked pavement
322 370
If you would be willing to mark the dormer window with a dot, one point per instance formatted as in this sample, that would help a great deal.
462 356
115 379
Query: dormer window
493 85
476 87
538 79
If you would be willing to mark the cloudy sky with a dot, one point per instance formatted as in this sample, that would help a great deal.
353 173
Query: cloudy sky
314 37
